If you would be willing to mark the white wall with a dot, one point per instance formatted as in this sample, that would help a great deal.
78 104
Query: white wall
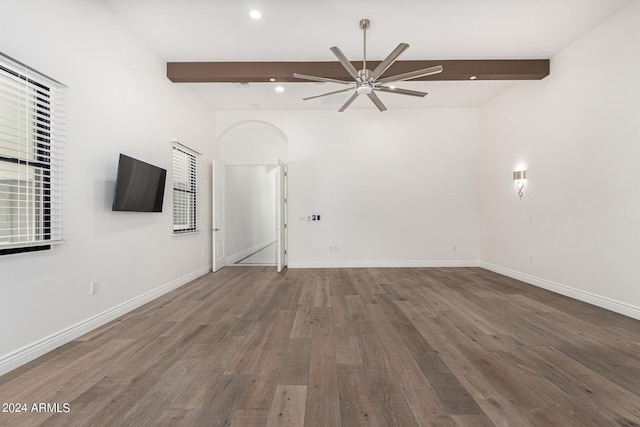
249 209
577 133
251 142
118 100
392 188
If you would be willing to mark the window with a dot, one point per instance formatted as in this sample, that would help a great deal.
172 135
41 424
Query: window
30 159
185 195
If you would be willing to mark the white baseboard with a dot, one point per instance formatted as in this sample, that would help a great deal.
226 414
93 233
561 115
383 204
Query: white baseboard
588 297
232 259
36 349
383 264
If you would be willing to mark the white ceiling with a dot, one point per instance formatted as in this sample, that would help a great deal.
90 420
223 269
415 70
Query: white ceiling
303 30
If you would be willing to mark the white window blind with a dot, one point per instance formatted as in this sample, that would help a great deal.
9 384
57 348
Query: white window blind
30 158
185 189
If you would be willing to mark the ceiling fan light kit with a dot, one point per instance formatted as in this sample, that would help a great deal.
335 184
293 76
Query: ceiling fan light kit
367 82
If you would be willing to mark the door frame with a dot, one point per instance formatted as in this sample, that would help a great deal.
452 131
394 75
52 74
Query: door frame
281 215
217 215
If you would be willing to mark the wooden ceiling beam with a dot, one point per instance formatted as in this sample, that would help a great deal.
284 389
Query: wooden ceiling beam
249 72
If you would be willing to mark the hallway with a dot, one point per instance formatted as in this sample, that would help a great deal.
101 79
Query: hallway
265 256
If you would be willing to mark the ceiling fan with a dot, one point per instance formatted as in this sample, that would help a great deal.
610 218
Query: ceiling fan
367 82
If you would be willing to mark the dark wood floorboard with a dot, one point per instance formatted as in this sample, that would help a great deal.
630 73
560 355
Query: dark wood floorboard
247 346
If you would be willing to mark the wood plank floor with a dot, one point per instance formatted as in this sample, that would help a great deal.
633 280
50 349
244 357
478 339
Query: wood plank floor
347 347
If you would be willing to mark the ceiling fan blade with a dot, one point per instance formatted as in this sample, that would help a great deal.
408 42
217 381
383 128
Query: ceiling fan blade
345 62
384 65
328 93
373 97
349 101
413 74
320 79
401 91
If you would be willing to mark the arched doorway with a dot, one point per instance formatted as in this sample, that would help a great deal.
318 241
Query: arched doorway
250 194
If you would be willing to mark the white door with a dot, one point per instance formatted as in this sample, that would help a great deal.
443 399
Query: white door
217 215
281 204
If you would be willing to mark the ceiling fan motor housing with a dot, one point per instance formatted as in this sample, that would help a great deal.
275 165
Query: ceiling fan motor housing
365 75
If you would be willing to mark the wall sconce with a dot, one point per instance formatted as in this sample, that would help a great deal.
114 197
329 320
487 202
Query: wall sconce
519 177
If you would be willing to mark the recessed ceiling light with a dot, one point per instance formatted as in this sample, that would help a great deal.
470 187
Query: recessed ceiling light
279 89
255 14
473 77
392 87
272 79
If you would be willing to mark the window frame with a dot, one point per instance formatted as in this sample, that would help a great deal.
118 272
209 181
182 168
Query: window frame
186 218
33 147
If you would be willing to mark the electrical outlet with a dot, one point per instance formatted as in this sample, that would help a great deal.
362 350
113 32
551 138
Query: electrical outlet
530 258
93 287
455 248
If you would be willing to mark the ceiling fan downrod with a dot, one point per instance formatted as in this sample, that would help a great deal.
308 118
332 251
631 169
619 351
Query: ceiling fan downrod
364 25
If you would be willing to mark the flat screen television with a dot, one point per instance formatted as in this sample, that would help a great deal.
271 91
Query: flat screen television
139 186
